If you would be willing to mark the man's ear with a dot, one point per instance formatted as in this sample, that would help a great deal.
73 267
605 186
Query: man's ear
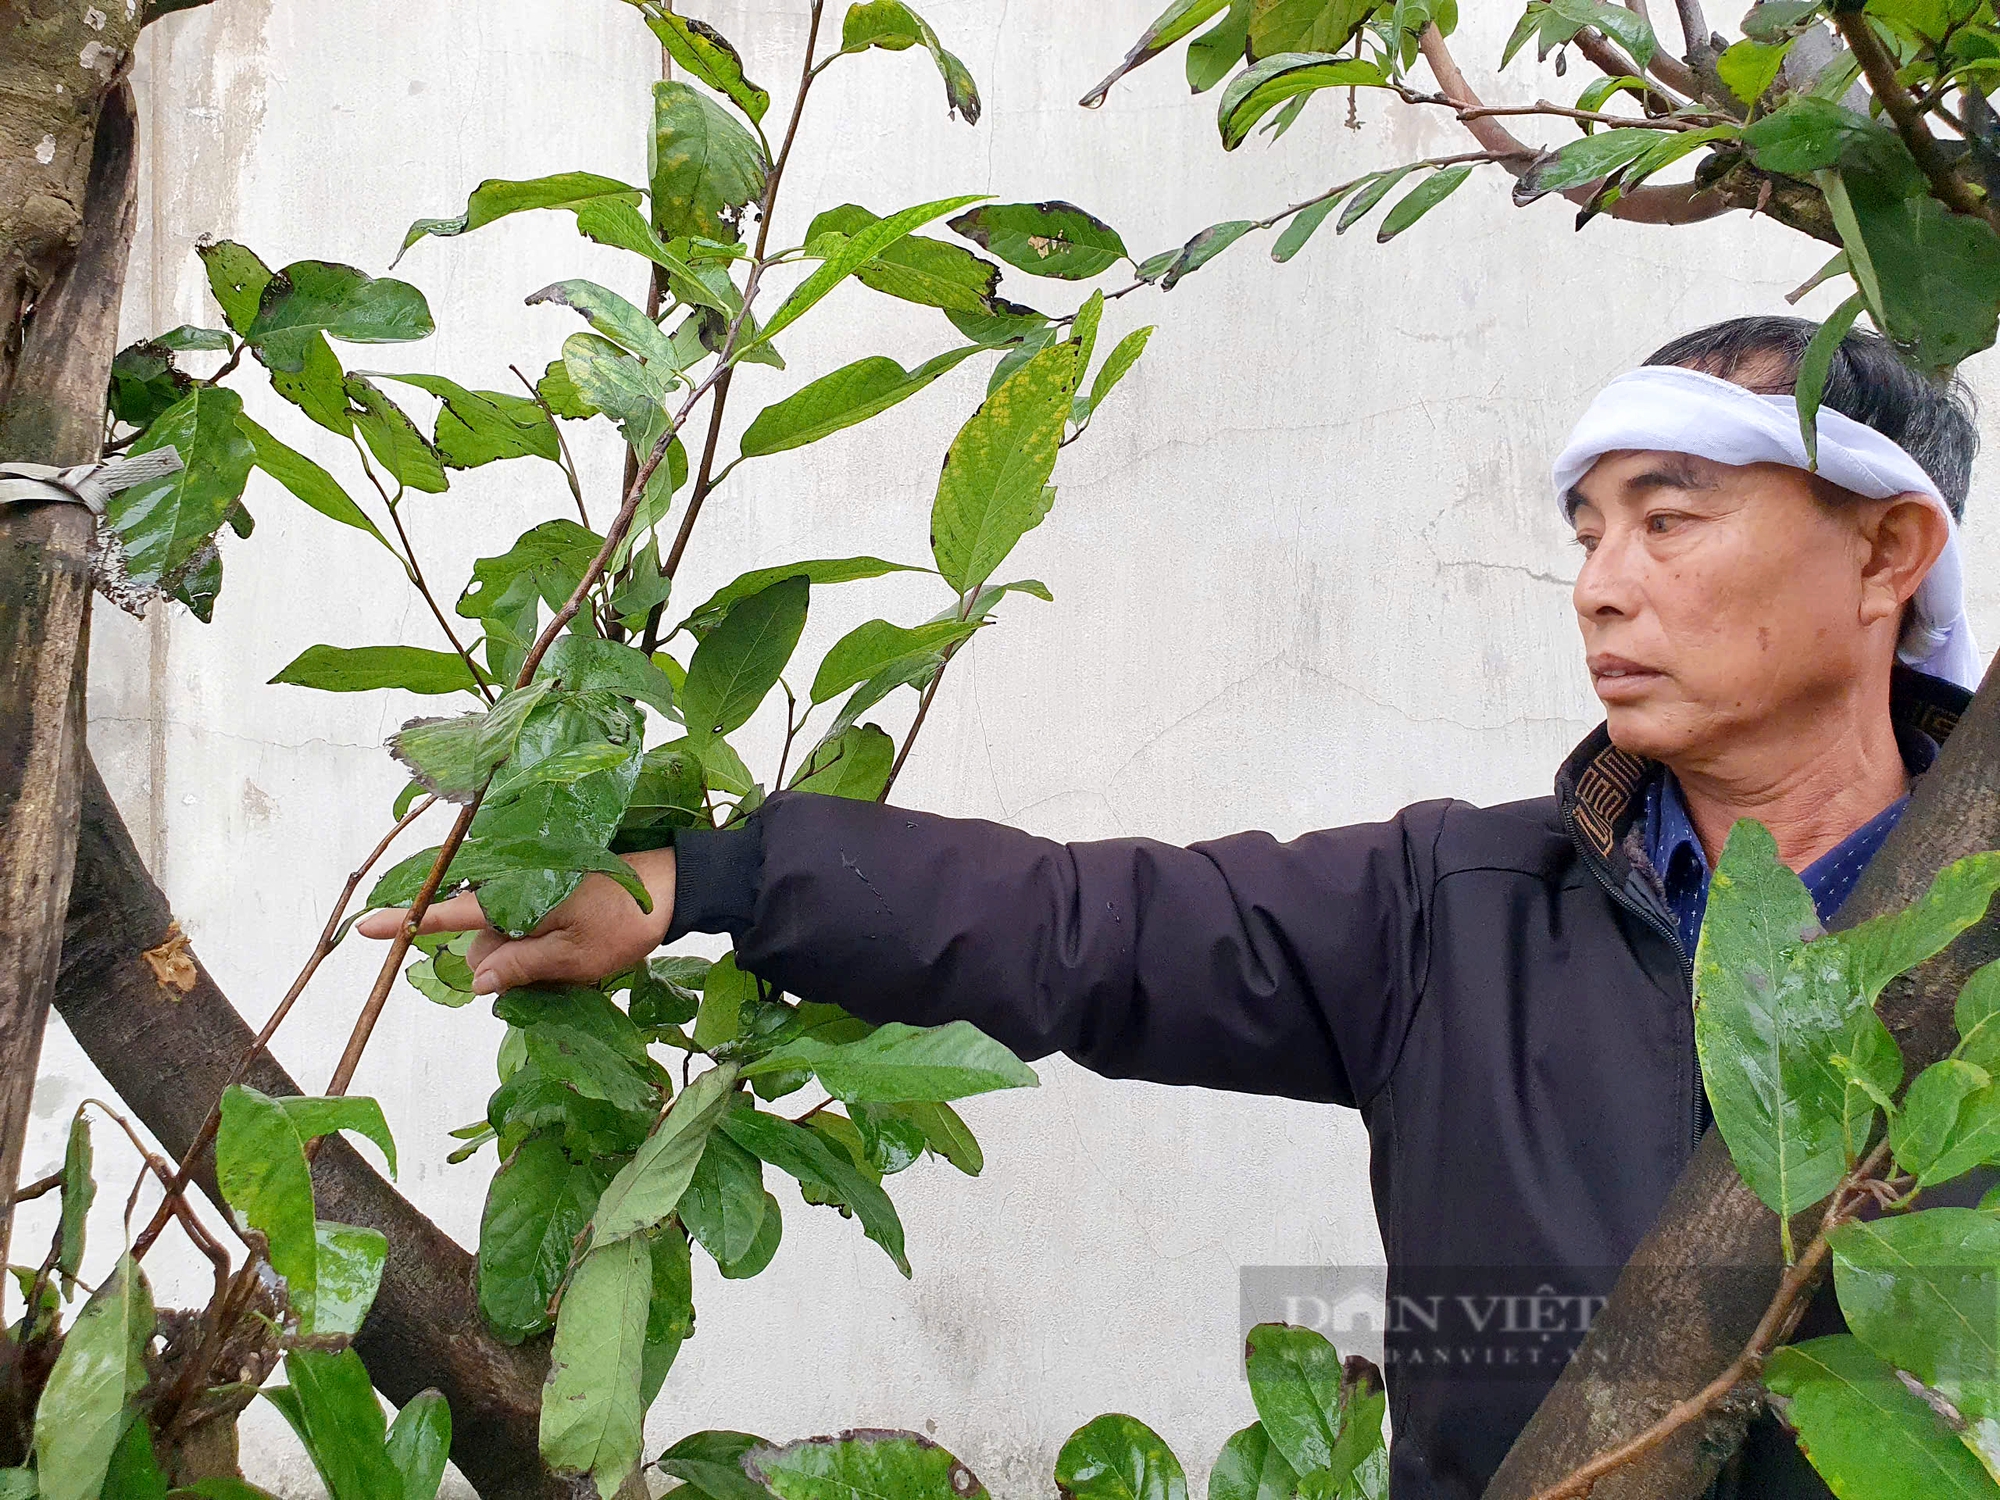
1904 537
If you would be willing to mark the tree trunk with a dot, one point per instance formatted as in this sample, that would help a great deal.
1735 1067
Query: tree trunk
168 1051
53 414
1699 1282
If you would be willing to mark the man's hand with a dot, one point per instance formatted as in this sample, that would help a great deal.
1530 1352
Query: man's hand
599 930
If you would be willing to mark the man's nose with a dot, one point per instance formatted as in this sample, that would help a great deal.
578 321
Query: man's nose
1606 587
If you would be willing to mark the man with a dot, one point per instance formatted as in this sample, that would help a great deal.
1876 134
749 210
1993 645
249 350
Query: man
1503 993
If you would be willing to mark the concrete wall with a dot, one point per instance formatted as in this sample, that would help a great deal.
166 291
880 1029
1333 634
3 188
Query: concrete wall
1305 565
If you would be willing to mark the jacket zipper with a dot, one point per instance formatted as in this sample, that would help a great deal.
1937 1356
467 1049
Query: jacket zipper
1698 1115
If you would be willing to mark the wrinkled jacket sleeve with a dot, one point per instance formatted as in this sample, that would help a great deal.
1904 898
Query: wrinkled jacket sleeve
1242 963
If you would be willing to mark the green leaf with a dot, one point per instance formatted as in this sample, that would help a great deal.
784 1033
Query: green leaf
318 388
670 1316
1216 52
704 167
1750 68
709 56
477 427
260 1163
1181 18
946 1134
1771 19
484 859
876 646
1949 1122
1615 21
1803 135
1977 1015
360 669
615 318
394 439
144 384
849 395
1883 947
1420 200
1282 75
1044 239
83 1412
166 521
890 1140
1943 301
817 572
854 763
1304 225
1250 1467
1116 1457
496 198
135 1469
713 1463
1922 1291
1588 160
898 1062
539 1202
1810 384
17 1484
1867 1432
1117 364
349 1264
79 1191
1296 1382
894 27
615 222
332 1407
858 250
314 1117
1771 1009
1279 26
770 1230
306 479
419 1444
317 296
1369 192
631 392
740 660
455 757
237 278
1604 89
725 990
881 1465
1872 1064
992 491
808 1157
583 662
650 1185
928 272
723 1206
592 1406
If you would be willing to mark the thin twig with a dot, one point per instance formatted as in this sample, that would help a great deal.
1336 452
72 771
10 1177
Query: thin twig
568 464
415 573
1772 1329
792 726
329 939
38 1188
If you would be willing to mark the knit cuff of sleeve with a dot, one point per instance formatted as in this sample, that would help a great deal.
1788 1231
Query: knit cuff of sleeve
716 873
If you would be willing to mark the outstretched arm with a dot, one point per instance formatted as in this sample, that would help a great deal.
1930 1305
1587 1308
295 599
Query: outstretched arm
1241 963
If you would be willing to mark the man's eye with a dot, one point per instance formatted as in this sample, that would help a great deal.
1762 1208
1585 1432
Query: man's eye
1661 522
1588 543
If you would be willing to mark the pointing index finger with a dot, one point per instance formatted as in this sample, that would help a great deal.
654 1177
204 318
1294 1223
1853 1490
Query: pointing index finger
460 913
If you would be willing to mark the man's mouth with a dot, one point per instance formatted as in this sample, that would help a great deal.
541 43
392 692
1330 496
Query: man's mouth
1620 677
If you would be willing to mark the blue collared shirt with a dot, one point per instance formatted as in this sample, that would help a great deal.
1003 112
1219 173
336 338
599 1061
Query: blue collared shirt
1676 852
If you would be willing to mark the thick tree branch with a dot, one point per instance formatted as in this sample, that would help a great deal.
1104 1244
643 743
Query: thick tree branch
169 1050
1701 1281
1680 204
54 415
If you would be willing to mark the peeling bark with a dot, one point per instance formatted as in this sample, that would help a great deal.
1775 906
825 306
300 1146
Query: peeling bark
1699 1282
168 1054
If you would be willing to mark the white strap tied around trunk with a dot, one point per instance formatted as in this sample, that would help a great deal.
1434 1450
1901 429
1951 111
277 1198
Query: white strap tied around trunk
88 485
1666 409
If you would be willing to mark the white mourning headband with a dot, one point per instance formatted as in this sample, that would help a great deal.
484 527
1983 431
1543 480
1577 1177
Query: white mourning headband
1667 409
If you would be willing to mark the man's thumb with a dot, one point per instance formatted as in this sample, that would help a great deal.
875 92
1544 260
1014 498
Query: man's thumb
528 960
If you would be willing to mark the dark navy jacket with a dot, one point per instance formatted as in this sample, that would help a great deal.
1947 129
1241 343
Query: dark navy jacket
1500 992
